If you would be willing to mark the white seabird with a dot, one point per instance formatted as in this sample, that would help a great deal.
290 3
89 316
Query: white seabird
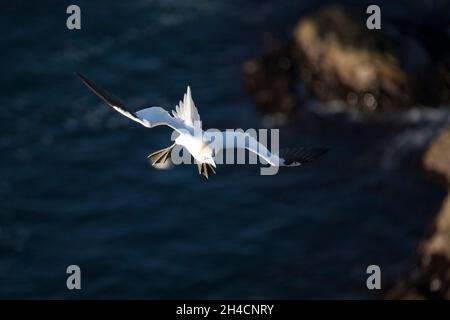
186 120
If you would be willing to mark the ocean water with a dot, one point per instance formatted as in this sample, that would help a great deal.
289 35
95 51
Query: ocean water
76 187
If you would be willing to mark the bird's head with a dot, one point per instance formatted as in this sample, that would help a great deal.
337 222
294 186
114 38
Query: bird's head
208 154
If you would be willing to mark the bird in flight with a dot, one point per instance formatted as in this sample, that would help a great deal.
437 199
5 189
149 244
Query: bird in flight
185 120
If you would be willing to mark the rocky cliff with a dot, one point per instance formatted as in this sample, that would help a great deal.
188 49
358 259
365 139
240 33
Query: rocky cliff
430 278
335 57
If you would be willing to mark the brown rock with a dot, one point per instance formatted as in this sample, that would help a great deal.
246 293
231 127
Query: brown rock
270 79
435 251
432 273
339 58
336 57
404 291
437 158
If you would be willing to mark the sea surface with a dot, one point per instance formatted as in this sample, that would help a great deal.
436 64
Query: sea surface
76 187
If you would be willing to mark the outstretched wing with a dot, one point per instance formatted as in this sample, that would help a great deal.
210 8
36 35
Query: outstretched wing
156 116
241 140
287 157
187 112
301 155
149 117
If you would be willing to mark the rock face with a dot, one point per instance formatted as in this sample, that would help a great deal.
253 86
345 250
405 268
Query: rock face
336 57
339 58
437 158
435 251
270 79
431 277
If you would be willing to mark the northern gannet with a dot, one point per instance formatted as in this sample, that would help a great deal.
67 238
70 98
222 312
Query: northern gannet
186 121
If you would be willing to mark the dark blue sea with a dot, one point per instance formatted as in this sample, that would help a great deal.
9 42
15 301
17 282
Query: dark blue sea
76 187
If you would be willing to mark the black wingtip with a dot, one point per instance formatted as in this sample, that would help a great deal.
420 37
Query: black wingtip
82 78
106 96
85 81
302 155
314 153
321 151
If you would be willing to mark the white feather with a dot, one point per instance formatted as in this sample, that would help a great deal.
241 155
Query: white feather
187 112
241 140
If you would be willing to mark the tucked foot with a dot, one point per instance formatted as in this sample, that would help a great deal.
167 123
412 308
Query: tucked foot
203 169
160 156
